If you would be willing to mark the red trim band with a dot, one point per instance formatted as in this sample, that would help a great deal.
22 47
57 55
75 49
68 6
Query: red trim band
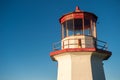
108 53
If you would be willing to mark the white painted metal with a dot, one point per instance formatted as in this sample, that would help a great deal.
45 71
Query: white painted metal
73 42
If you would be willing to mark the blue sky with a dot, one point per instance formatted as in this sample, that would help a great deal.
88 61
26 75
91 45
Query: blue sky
29 27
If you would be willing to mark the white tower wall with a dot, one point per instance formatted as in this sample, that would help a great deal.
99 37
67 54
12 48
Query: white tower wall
97 68
79 66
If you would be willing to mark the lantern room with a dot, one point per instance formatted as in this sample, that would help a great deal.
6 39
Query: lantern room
78 23
78 29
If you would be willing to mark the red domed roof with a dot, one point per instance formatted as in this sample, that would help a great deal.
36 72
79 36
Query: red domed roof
77 14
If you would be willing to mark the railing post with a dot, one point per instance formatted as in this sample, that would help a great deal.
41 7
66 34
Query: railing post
63 44
106 46
68 43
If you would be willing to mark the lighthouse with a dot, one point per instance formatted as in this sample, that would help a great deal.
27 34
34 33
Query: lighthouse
80 54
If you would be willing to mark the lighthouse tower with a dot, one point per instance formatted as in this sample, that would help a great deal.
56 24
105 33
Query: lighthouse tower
80 54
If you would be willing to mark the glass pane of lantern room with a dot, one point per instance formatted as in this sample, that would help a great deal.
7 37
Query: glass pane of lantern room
87 28
78 26
70 27
64 30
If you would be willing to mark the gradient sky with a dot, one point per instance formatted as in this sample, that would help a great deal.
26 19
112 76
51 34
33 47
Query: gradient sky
29 27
